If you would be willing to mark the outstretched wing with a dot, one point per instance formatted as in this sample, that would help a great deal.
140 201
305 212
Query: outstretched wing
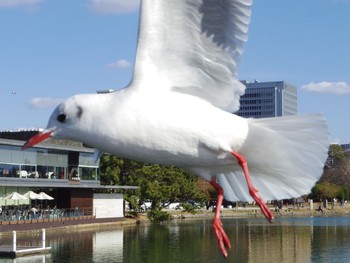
193 47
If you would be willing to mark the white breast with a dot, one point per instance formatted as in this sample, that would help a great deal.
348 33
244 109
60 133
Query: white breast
178 129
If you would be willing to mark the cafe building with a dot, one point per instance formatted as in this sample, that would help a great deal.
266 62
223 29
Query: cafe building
65 170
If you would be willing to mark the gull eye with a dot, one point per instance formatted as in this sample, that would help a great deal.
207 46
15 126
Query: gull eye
62 117
79 112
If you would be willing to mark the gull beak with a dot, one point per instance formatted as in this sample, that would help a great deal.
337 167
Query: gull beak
46 134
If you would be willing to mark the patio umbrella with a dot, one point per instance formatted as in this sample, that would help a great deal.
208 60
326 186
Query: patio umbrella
31 195
15 196
44 196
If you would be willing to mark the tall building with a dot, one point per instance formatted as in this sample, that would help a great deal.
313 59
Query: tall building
268 99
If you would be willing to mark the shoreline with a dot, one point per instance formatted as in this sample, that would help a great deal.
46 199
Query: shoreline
248 212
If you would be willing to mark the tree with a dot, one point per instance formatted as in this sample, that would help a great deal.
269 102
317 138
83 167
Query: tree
115 170
336 154
167 184
326 190
161 185
110 169
343 193
339 172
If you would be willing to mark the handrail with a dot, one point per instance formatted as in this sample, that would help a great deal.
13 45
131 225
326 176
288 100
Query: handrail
15 215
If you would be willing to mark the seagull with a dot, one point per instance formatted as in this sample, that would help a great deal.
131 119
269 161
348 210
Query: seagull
178 110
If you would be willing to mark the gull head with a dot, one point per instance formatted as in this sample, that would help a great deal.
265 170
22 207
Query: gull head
65 121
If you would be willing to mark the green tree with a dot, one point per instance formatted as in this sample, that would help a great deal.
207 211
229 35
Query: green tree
336 154
118 171
343 193
326 190
161 185
110 169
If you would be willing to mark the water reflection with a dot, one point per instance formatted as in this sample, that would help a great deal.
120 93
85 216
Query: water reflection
107 246
275 243
31 259
253 240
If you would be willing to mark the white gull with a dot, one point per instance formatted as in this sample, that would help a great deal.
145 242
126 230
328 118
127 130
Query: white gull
177 110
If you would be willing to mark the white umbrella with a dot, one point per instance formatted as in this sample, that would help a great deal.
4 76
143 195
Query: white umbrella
15 196
44 196
31 195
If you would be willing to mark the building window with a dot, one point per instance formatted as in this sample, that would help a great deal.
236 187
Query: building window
9 170
88 173
47 164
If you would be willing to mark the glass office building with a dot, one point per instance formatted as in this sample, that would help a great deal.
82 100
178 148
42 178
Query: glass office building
69 161
268 99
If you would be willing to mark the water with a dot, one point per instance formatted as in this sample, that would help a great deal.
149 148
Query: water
318 239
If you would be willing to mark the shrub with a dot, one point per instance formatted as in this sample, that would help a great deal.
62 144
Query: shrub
158 216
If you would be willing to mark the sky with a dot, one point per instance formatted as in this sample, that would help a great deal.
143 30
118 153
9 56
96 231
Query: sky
51 50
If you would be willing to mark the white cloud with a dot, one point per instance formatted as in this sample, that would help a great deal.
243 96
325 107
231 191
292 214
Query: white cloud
41 103
113 6
17 3
337 88
121 63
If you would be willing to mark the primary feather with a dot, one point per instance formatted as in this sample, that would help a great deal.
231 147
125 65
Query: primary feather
193 47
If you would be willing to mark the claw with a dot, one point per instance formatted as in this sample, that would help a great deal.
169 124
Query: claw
263 207
252 190
220 233
221 236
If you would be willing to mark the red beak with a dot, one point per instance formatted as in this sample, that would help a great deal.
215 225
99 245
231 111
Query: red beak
46 134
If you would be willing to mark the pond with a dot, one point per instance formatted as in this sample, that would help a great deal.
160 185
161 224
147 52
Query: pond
311 239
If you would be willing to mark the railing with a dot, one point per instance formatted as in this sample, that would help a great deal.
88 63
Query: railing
18 215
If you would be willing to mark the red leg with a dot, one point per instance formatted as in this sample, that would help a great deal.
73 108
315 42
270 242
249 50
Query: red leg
221 236
252 190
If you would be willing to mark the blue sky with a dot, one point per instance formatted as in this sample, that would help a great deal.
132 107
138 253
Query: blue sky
50 50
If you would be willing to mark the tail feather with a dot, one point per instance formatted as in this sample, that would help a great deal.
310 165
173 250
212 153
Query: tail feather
285 157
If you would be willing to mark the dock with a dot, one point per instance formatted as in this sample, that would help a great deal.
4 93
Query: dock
8 251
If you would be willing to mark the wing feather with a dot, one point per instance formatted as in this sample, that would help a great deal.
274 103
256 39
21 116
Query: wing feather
193 47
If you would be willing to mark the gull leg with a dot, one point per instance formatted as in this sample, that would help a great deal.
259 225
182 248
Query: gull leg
221 236
252 190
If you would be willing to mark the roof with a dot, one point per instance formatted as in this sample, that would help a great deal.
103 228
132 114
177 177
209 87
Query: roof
18 138
58 183
49 145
